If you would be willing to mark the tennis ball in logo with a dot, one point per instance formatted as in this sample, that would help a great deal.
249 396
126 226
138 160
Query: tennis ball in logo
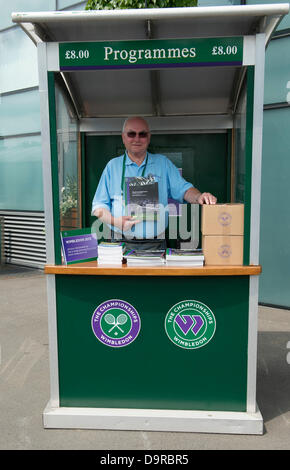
116 323
190 324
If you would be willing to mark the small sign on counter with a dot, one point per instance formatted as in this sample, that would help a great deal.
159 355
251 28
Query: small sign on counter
79 245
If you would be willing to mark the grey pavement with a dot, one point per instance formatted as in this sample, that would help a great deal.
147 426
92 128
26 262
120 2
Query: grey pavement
24 382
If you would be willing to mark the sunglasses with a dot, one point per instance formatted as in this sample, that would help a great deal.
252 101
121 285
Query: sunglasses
132 134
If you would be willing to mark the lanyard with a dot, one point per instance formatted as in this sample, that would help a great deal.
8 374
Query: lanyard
123 171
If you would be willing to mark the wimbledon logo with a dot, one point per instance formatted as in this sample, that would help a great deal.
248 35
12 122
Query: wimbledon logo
190 324
116 323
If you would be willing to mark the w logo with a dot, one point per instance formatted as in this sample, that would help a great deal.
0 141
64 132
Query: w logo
189 323
225 218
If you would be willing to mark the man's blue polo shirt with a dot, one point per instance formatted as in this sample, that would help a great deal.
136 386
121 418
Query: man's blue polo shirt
170 185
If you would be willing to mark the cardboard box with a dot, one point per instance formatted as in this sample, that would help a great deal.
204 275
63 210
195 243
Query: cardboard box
222 219
223 249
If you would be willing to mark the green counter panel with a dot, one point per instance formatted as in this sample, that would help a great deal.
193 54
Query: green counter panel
152 372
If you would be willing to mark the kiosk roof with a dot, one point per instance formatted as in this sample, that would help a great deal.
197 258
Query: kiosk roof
172 92
168 22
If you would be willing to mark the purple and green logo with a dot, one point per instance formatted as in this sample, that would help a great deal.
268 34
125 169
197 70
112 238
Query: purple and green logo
190 324
225 218
116 323
225 251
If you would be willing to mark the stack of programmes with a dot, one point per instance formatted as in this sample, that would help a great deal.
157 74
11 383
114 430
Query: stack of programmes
110 253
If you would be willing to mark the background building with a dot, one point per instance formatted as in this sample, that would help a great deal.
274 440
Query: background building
21 195
21 189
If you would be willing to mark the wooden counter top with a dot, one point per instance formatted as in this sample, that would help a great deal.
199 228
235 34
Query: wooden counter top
92 268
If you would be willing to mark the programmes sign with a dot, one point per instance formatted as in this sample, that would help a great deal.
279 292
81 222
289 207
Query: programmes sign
151 53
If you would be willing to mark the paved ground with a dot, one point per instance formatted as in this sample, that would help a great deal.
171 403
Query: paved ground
24 382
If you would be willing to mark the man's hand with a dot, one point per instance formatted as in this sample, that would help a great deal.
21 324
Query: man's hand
125 222
206 198
194 196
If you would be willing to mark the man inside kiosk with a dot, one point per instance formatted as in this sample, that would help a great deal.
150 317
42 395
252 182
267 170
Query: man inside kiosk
133 191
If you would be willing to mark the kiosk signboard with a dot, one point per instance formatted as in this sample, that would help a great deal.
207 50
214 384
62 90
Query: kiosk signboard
153 53
79 245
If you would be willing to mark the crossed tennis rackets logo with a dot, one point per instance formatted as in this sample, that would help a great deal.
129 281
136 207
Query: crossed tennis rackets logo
116 323
110 319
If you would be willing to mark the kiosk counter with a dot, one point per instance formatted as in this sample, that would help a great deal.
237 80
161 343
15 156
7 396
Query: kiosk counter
158 368
164 348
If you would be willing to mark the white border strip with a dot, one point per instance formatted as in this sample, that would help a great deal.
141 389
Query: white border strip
53 56
49 222
255 218
252 344
249 50
159 125
153 420
46 151
52 335
257 148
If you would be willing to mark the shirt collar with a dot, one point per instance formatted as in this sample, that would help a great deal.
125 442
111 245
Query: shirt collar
128 160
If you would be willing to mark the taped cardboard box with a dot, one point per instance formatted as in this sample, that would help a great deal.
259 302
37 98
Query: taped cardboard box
222 219
223 249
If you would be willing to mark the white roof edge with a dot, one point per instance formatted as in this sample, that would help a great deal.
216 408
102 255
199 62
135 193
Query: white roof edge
277 9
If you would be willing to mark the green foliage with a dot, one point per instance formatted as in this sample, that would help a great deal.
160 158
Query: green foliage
69 195
127 4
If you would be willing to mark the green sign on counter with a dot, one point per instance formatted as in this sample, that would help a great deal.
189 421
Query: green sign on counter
152 53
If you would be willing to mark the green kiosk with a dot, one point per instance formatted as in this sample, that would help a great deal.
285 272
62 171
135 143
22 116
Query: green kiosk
197 75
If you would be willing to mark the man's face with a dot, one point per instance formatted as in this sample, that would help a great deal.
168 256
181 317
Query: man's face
136 138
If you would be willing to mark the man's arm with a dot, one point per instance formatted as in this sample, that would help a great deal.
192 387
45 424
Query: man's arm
178 185
194 196
124 223
102 197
